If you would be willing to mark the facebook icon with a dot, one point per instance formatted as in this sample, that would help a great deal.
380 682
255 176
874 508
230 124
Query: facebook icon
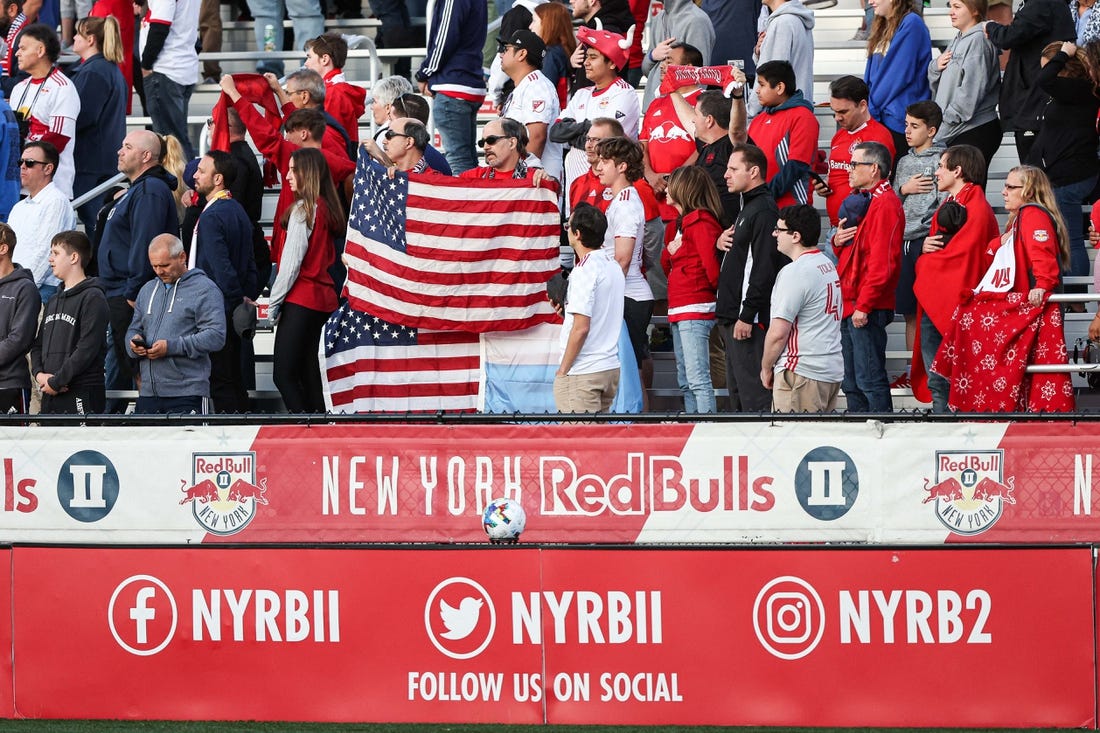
142 615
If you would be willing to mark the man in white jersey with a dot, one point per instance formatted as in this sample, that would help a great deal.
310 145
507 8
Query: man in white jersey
170 65
534 102
46 103
803 364
609 96
618 166
588 377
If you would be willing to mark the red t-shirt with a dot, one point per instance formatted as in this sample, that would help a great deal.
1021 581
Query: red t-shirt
840 155
668 144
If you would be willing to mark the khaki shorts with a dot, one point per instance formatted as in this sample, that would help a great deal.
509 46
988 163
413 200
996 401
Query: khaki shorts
795 393
579 393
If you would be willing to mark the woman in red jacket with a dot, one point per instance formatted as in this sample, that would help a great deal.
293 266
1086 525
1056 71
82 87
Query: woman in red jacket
304 295
691 263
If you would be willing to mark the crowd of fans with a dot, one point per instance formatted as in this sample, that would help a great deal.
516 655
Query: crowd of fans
694 199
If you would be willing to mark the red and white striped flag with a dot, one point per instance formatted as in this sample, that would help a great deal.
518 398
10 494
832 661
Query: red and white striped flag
429 251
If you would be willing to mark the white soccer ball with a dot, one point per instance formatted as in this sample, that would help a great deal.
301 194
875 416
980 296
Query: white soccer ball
504 520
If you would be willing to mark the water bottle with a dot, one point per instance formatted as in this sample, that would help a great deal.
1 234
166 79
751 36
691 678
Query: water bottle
269 37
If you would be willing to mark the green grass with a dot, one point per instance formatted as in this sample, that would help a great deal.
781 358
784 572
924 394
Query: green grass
108 726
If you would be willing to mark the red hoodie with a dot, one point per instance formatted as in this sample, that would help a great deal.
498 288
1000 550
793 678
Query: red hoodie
693 270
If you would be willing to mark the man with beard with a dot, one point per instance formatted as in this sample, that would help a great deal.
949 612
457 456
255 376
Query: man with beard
222 248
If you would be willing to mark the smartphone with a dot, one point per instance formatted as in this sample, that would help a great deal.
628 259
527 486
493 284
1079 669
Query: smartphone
739 63
822 181
139 340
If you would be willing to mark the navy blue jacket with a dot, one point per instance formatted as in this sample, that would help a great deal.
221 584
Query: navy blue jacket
145 211
101 125
454 60
223 237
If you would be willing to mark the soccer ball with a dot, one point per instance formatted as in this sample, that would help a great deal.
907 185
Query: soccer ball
504 520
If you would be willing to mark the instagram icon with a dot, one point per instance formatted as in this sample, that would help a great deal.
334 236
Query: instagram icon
789 617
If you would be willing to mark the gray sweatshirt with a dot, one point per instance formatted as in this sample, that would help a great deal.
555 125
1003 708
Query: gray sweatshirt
788 36
919 207
684 21
190 316
968 89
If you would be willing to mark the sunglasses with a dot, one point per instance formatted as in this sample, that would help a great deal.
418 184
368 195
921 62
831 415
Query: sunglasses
28 163
391 134
492 140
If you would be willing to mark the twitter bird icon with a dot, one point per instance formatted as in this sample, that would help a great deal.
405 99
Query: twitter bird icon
460 622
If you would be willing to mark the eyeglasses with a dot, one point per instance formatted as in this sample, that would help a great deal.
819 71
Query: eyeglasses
1011 187
781 229
292 92
28 163
391 134
492 140
593 140
855 163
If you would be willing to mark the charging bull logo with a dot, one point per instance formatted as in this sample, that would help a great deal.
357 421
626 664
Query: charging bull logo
969 491
223 493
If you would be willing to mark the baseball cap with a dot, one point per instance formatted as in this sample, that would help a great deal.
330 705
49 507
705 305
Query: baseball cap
529 41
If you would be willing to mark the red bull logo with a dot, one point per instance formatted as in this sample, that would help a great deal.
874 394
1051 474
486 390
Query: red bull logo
223 493
969 491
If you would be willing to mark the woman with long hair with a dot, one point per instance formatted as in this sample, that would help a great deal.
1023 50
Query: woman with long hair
691 263
101 124
1065 147
174 161
898 53
304 295
1008 324
553 23
966 82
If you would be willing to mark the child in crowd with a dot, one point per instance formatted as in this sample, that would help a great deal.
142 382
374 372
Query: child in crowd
691 262
916 187
68 354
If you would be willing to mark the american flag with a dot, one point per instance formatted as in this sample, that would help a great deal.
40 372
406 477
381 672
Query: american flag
430 251
372 365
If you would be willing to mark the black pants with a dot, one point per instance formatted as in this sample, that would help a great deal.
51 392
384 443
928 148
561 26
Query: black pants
123 377
14 401
227 388
75 401
986 138
296 369
186 405
743 360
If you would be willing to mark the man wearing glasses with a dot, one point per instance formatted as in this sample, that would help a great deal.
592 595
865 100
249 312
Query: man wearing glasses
45 212
305 89
505 144
803 364
869 267
403 147
534 102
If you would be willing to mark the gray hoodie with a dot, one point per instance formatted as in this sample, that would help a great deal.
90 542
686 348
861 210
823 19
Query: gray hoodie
684 21
190 316
789 37
919 207
968 89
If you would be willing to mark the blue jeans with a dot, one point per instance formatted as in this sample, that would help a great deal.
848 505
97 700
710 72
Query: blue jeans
456 120
691 342
930 340
1070 198
865 385
305 16
167 102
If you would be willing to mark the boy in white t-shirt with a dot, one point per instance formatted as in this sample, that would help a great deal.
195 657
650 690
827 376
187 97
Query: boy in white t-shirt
618 166
588 377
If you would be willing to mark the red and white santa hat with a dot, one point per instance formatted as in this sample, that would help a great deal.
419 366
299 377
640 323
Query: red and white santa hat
612 45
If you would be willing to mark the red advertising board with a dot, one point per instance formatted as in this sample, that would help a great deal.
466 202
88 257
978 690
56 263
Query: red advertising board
916 637
7 702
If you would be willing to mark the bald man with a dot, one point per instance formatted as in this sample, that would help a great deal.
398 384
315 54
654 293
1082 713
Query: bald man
145 211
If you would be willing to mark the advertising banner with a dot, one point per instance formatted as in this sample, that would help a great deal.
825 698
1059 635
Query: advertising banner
800 637
755 482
